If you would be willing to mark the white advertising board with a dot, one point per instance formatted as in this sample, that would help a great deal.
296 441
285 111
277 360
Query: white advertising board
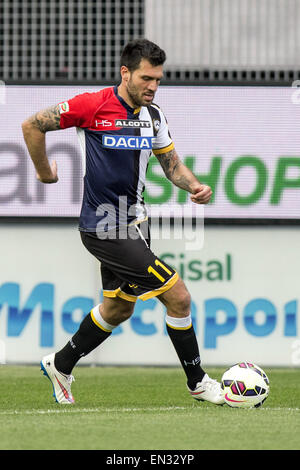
242 141
243 282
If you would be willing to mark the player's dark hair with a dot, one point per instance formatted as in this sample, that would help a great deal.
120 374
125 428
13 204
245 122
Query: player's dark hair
139 49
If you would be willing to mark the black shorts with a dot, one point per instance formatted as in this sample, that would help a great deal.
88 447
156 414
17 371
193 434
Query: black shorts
129 269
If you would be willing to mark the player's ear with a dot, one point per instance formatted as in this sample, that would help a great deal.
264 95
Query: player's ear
125 73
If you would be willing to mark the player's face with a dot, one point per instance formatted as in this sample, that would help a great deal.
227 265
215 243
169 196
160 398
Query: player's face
143 82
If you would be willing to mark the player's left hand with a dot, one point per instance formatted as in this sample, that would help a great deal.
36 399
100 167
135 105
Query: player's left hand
201 194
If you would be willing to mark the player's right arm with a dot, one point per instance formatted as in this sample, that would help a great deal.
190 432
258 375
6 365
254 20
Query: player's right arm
34 130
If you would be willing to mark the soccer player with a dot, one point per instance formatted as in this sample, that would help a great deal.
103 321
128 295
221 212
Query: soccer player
119 128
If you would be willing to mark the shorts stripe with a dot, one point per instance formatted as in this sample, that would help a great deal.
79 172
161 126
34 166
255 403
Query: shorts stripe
160 290
147 295
111 293
141 235
125 296
119 293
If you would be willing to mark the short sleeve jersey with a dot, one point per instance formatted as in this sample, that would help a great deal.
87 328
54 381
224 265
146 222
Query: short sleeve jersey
116 142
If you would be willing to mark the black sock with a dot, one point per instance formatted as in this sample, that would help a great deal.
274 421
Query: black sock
186 346
87 338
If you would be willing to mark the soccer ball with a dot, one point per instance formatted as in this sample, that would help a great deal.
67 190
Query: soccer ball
245 385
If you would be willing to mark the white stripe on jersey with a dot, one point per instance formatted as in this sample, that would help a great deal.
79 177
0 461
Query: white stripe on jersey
144 158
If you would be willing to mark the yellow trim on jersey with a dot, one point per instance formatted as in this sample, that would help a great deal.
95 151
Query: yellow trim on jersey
137 110
137 222
160 290
98 324
163 150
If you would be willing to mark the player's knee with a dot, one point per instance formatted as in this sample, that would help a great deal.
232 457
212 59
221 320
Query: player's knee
124 314
177 299
180 304
183 302
117 312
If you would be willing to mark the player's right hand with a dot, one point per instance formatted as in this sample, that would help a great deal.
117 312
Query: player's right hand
52 178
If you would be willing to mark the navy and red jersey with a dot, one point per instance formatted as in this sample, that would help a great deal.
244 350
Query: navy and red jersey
116 142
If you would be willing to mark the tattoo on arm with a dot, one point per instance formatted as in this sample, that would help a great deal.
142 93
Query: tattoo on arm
169 162
46 120
175 170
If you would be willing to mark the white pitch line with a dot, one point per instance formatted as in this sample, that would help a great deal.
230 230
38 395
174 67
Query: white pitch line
66 410
89 410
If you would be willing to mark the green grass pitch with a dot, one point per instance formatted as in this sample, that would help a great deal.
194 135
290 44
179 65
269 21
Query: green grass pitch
136 408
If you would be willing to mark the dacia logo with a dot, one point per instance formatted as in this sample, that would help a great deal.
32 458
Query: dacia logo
127 142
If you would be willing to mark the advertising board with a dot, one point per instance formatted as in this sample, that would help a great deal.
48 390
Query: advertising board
242 141
243 283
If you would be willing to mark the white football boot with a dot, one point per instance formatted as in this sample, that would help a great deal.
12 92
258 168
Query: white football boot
61 383
208 390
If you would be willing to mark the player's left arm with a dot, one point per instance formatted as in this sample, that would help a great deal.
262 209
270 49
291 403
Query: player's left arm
183 177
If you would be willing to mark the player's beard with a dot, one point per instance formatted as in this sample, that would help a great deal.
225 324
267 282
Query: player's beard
136 95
